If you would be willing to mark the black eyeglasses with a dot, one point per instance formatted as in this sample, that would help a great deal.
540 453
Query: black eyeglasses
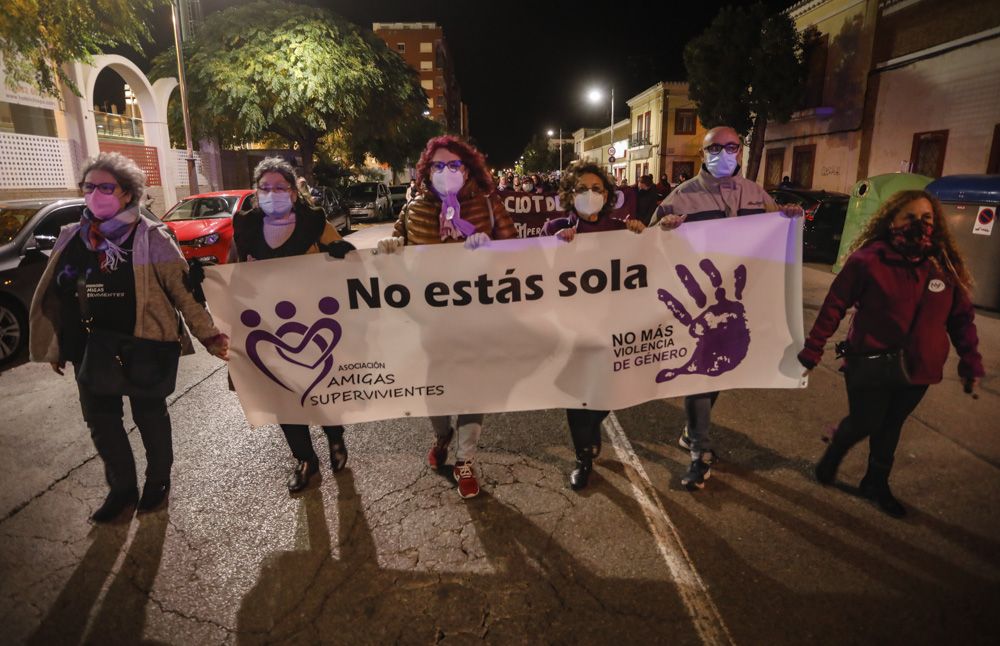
105 187
454 166
715 149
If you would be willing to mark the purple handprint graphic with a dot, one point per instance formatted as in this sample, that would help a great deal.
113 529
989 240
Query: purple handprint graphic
720 331
307 346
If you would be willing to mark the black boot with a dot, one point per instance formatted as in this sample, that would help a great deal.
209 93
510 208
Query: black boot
875 486
116 503
304 470
153 495
826 468
338 452
584 465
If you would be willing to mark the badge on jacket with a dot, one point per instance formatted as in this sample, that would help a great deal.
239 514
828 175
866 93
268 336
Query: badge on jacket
936 286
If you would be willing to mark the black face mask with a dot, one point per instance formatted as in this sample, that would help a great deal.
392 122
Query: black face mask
913 239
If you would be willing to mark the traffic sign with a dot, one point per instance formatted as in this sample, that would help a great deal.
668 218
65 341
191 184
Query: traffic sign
611 159
612 151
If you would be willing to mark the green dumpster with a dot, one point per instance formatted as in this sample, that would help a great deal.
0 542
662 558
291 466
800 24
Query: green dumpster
866 198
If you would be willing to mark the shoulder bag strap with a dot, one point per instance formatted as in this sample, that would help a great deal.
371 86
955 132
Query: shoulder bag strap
81 297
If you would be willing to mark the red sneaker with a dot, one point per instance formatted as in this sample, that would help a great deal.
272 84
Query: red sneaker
438 454
468 486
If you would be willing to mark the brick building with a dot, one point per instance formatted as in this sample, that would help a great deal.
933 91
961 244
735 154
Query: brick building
422 45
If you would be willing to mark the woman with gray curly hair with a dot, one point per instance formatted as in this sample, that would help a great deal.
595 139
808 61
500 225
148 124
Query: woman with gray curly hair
122 273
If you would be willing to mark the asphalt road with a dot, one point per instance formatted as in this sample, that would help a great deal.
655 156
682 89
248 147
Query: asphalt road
386 551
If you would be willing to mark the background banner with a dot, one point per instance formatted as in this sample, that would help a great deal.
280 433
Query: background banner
532 210
607 321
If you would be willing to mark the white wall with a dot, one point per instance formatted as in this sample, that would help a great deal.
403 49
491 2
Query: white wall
958 91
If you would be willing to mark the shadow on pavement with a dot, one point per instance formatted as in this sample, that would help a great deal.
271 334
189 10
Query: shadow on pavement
532 586
122 614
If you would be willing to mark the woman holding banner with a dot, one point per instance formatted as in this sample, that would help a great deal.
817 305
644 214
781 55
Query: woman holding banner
458 203
588 196
283 224
911 287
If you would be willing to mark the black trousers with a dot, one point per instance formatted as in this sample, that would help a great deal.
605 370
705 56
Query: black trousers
585 426
877 413
103 414
297 436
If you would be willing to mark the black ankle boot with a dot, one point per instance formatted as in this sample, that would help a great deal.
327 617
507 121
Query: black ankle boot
299 478
875 486
584 465
113 506
826 468
338 453
153 495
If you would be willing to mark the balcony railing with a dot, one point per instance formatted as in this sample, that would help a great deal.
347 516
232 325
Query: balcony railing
638 139
117 127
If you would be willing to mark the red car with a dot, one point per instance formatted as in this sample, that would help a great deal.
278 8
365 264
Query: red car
203 224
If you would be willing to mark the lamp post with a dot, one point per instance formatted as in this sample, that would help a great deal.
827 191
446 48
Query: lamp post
192 171
594 96
560 144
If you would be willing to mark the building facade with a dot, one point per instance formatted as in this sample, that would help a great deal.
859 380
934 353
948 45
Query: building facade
894 85
44 140
422 45
666 134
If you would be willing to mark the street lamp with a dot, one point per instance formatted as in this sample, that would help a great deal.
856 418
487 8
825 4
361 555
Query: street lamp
595 96
550 133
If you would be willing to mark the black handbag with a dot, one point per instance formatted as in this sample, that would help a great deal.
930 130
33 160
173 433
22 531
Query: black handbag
872 369
122 364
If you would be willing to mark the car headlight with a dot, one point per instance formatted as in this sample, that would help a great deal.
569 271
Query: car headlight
204 241
370 205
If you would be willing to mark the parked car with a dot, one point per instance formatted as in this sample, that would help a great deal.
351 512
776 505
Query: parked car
203 224
28 231
369 202
397 194
823 225
336 213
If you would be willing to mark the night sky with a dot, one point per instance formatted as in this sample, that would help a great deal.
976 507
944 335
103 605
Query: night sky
524 67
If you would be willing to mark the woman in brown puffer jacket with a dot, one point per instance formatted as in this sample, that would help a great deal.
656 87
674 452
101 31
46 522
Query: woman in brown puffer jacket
456 203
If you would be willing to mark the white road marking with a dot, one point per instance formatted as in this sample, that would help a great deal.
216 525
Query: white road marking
700 607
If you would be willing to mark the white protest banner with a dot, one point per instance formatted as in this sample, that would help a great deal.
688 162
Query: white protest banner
606 321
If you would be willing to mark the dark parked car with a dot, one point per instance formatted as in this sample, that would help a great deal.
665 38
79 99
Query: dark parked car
369 201
398 195
336 213
823 224
28 231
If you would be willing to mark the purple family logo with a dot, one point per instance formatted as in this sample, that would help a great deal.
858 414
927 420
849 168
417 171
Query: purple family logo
295 343
721 335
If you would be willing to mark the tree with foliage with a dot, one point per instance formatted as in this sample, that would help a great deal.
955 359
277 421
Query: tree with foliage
747 68
38 36
299 73
539 157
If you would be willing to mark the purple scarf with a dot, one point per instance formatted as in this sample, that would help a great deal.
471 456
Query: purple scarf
452 224
105 237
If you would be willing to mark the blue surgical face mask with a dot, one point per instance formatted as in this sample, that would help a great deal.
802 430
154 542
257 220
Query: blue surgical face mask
722 164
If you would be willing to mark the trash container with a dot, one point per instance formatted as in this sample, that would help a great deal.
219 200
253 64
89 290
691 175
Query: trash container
866 198
970 205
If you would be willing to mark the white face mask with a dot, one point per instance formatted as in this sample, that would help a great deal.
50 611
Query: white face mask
447 181
275 203
721 165
588 203
527 186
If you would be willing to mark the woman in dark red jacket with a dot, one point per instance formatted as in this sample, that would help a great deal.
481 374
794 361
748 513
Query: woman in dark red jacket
911 290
